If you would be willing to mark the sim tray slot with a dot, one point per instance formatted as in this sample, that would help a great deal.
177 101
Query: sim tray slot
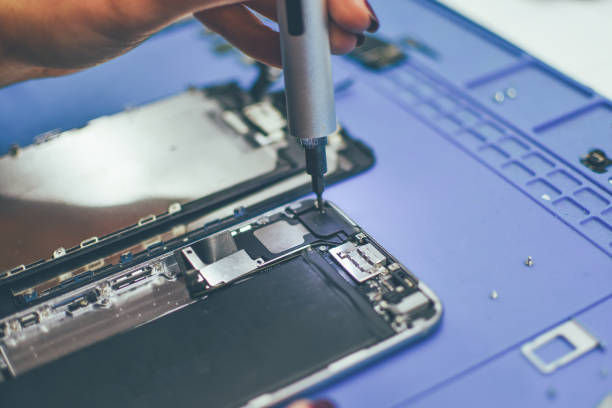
577 336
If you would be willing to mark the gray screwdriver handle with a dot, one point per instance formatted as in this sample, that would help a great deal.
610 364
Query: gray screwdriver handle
309 87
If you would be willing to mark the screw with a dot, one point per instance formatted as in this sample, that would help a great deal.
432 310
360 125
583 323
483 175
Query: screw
511 93
529 261
493 295
322 248
499 97
174 207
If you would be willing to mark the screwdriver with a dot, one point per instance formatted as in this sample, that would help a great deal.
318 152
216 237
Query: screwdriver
309 88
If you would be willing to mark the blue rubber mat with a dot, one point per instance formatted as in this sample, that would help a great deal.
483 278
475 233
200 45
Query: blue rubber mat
478 148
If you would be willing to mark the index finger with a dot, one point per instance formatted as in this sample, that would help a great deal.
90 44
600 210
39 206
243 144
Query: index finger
351 15
354 16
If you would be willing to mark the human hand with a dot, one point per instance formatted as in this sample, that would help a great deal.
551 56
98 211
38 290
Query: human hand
39 38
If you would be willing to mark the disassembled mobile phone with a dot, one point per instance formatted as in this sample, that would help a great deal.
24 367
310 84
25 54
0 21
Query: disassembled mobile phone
237 295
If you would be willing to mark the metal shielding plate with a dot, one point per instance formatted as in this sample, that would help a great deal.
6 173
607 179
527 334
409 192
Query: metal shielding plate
281 236
361 262
225 269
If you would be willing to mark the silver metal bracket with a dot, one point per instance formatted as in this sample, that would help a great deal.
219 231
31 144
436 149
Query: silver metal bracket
225 269
577 336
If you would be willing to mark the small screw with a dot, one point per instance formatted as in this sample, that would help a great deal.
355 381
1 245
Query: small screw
493 295
322 248
499 97
59 252
529 261
174 207
511 93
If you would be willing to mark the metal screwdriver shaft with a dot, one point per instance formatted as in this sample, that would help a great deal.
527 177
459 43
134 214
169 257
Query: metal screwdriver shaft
309 88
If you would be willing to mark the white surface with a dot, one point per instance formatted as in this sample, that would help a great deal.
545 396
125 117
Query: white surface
573 36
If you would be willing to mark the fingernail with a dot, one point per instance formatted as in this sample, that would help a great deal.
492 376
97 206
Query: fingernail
374 24
360 40
322 404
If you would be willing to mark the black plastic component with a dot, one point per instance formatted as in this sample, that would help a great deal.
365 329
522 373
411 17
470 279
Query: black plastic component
378 54
83 301
316 160
92 296
393 297
295 17
29 320
424 313
402 278
323 224
320 224
597 161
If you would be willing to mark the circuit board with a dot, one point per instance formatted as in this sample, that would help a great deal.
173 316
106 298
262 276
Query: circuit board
283 258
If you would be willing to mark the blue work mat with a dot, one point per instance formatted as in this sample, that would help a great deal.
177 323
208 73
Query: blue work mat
478 150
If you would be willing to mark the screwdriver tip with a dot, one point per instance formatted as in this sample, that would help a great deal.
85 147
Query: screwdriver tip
320 204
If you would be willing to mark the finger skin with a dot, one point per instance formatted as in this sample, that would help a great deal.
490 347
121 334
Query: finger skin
351 15
342 41
38 39
243 30
266 8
